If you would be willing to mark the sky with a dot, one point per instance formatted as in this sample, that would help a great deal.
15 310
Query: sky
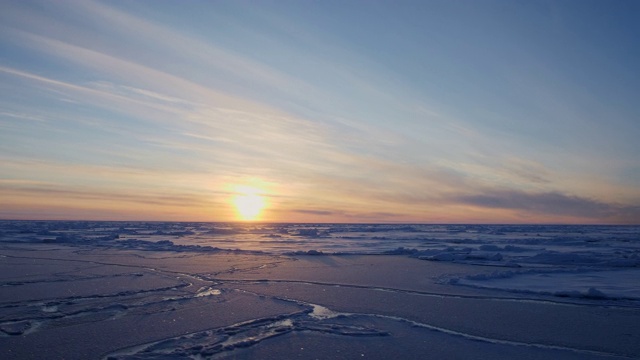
423 111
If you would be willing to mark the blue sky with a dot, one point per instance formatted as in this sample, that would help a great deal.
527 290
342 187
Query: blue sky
346 111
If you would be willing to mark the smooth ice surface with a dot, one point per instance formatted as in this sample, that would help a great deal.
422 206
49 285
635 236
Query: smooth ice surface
616 284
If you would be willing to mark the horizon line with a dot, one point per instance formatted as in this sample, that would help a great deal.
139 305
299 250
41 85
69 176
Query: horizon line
321 223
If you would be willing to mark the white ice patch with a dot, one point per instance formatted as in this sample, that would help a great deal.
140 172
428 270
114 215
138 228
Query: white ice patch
614 284
321 312
206 291
49 308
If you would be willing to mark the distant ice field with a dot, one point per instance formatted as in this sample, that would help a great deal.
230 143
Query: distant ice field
597 262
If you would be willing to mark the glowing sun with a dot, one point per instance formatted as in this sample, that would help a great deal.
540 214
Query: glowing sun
249 203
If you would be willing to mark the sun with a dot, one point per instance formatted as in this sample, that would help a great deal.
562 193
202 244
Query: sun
249 203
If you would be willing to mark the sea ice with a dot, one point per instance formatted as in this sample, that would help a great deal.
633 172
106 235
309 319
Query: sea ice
79 290
611 284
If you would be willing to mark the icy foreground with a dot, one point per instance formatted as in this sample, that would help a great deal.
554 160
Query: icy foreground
171 291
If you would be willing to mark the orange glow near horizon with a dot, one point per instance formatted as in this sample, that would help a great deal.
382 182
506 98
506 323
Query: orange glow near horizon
249 203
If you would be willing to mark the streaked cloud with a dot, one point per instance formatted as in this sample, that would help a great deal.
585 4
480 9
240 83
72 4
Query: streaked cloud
552 203
117 108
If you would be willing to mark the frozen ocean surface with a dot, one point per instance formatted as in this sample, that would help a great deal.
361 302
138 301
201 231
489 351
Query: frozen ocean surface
157 290
560 260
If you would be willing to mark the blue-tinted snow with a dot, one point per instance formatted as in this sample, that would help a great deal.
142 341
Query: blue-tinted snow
562 260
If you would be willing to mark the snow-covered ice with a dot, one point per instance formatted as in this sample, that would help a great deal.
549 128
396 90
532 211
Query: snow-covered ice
125 290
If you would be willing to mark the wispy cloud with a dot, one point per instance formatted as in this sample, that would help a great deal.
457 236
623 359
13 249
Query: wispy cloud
540 203
115 101
22 116
317 212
